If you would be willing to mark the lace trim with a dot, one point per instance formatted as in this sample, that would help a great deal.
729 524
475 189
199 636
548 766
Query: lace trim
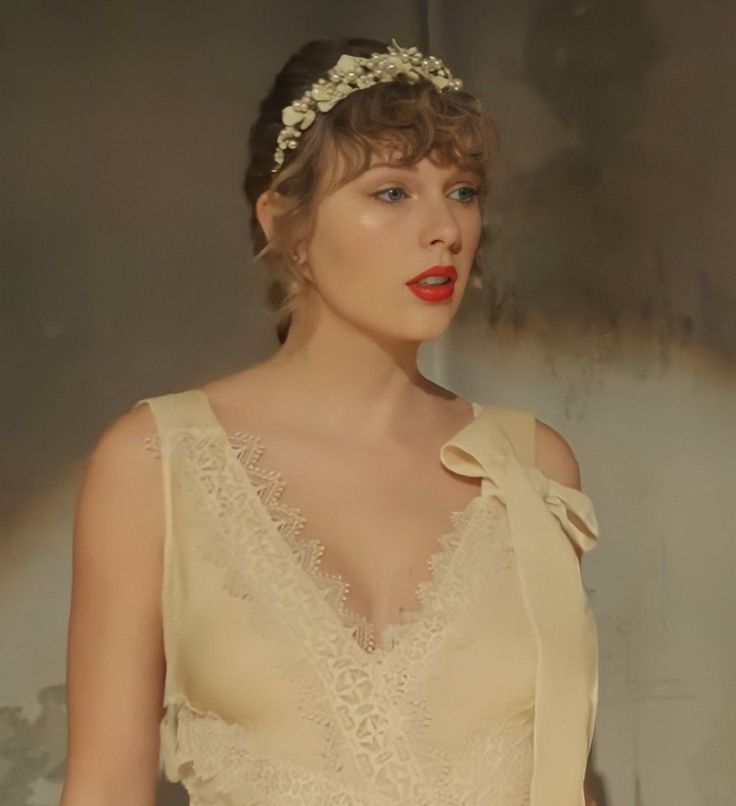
269 483
270 486
215 758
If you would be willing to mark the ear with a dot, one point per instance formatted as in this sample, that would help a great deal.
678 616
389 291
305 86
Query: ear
268 206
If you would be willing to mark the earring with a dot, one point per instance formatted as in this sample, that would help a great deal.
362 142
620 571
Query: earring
300 261
303 267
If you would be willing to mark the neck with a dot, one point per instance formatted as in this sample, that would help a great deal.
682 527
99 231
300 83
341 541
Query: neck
346 376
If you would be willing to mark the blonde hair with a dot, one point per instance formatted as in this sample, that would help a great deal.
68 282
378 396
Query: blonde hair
410 121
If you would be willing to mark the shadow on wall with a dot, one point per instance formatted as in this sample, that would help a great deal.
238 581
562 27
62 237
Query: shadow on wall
615 230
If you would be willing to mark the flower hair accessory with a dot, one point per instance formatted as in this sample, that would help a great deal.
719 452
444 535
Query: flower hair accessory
356 73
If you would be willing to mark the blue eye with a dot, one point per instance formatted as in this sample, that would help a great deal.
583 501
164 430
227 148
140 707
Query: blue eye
388 190
473 192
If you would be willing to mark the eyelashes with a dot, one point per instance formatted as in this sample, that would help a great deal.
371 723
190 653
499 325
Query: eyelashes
474 192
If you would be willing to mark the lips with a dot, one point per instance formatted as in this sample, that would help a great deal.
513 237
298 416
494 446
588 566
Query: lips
435 271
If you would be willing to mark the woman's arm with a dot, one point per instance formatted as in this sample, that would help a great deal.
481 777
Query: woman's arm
115 660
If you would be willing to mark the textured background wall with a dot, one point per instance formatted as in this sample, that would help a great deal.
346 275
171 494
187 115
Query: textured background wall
607 308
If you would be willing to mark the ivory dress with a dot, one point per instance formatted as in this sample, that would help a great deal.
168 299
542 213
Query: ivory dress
485 696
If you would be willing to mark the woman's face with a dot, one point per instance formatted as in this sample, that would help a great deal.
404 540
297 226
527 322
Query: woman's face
380 230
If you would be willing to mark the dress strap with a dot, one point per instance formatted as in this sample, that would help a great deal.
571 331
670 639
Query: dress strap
519 426
187 409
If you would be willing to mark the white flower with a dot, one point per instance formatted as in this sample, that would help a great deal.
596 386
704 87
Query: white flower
290 116
323 92
346 63
309 117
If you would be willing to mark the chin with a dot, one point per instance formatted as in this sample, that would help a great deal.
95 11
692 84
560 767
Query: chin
426 331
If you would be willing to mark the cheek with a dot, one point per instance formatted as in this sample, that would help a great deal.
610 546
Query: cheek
352 227
362 253
472 225
357 245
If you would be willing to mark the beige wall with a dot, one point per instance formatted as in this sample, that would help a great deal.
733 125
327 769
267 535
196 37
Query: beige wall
127 272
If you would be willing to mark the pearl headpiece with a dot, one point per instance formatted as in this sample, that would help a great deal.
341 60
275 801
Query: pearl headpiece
353 73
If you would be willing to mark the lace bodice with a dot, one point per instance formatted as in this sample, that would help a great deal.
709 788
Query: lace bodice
276 692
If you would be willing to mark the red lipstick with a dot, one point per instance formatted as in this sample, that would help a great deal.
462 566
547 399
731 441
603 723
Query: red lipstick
436 292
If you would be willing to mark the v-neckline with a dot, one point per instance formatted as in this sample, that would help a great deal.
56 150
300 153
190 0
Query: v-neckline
346 618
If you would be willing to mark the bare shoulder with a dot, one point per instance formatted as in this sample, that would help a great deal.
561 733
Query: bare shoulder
123 474
554 456
127 433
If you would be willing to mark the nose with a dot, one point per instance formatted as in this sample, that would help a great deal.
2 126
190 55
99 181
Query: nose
441 225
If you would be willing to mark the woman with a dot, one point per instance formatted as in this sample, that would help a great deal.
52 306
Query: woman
348 585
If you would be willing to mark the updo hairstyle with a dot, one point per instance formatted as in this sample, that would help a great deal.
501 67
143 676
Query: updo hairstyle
409 121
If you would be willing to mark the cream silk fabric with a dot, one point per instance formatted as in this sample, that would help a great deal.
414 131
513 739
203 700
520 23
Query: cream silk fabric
484 697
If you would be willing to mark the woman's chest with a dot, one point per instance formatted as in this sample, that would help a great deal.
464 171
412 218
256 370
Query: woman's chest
259 602
378 519
266 640
370 530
